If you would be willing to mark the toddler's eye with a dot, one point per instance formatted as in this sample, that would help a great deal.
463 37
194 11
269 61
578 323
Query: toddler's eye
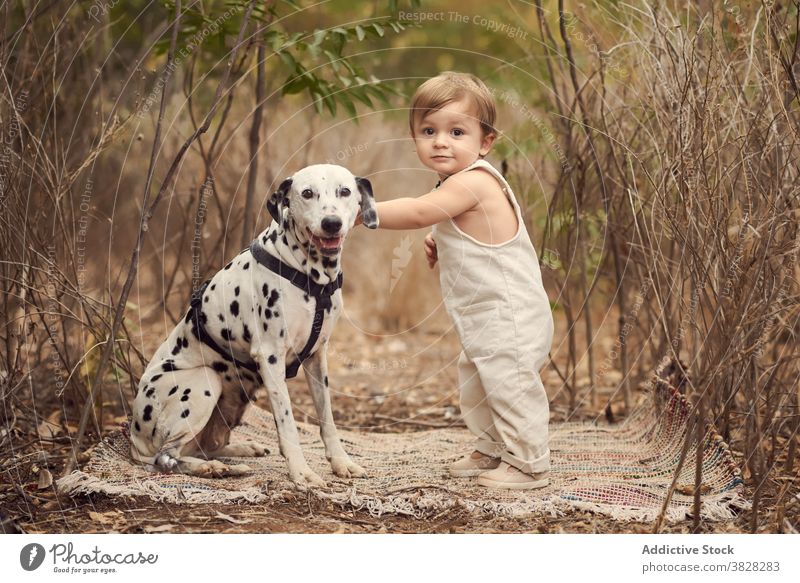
427 131
307 193
344 192
458 132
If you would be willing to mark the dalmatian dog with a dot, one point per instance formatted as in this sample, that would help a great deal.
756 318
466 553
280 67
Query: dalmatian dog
253 324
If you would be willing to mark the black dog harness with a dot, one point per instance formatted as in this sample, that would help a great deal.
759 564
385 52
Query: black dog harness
322 295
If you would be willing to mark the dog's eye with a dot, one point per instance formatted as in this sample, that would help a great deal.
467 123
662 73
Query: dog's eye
307 193
344 192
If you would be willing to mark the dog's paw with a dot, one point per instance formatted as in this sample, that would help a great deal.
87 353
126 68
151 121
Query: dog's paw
344 467
217 469
244 449
305 477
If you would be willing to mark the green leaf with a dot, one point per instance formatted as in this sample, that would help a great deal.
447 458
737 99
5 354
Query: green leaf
319 36
294 85
360 32
288 59
330 102
348 104
360 93
378 29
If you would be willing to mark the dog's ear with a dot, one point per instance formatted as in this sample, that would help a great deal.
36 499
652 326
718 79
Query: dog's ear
369 216
279 201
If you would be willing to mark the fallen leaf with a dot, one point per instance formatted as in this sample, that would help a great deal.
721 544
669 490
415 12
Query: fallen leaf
109 517
160 528
232 519
45 479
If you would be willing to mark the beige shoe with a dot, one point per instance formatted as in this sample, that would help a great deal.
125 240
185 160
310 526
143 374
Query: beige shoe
473 464
509 477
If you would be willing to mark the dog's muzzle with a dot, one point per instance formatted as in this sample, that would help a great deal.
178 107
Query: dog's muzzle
330 241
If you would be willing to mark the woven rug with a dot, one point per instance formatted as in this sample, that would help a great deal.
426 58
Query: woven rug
621 471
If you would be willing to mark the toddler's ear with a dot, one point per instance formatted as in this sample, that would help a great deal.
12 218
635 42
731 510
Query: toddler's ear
369 215
279 200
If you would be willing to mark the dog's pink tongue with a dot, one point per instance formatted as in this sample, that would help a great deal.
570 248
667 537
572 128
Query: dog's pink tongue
331 243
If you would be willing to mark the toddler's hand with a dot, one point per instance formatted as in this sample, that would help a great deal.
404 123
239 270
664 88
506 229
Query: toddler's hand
430 250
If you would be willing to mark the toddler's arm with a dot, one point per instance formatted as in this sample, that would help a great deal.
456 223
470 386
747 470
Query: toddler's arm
455 196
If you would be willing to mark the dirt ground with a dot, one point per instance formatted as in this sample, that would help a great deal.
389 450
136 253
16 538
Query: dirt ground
383 384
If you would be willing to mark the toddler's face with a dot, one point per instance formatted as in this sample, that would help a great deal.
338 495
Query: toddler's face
451 138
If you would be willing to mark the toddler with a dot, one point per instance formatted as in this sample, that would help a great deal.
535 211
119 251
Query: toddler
490 278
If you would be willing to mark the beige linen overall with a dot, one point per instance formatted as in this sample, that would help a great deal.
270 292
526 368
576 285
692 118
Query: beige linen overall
495 297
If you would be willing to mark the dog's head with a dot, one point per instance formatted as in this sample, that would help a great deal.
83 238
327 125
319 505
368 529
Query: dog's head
323 202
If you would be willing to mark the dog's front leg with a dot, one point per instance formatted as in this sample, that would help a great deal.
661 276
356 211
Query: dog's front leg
316 368
273 371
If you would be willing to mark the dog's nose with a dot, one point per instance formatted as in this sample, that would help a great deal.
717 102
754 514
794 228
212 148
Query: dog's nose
331 224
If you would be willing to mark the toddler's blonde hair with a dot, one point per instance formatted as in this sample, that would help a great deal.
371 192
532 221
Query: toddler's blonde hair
450 86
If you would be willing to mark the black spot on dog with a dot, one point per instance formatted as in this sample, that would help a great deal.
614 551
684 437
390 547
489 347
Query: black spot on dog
264 239
219 366
246 265
173 390
154 378
273 236
236 290
286 412
265 290
282 332
246 333
187 391
326 262
229 265
267 314
213 286
264 324
314 273
152 433
295 247
207 393
203 318
185 342
226 335
235 308
273 297
305 261
275 313
150 392
136 426
326 380
272 359
259 311
221 317
169 366
148 411
185 398
205 299
284 239
228 377
185 413
178 346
